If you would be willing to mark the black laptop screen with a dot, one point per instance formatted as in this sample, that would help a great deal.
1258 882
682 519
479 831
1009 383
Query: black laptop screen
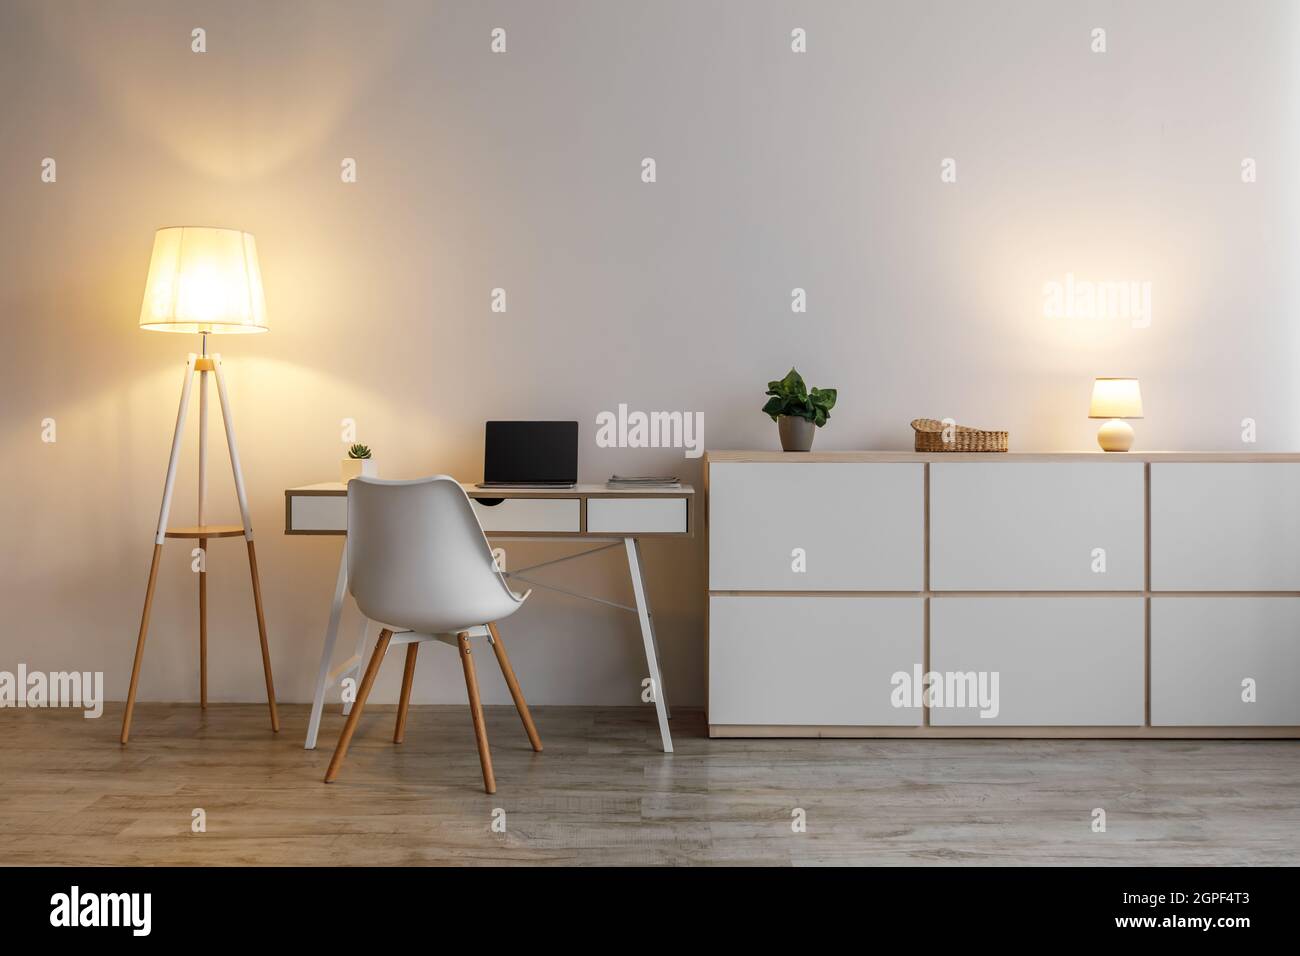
531 452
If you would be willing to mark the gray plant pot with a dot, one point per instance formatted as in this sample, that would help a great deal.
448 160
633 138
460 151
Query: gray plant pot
796 433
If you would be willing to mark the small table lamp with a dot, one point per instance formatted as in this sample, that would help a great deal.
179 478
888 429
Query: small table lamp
202 280
1115 399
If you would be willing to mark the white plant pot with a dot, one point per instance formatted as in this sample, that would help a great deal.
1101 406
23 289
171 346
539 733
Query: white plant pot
358 468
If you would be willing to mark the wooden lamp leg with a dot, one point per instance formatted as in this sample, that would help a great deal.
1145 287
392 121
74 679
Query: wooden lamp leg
516 692
476 712
139 643
203 623
363 692
404 702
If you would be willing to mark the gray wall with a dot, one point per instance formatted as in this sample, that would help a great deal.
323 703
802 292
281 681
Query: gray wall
775 170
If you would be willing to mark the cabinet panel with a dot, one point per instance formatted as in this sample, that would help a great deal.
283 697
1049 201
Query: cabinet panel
812 660
1060 661
1203 648
1031 526
859 526
1225 526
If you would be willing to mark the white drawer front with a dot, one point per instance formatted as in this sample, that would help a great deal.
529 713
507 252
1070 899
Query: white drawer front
1225 527
636 515
1031 526
1203 648
530 514
858 526
812 660
318 512
1060 661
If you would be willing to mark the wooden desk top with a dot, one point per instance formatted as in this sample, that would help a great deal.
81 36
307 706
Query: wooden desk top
473 491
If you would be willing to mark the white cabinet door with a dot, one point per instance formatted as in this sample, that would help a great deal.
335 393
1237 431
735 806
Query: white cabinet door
1203 649
851 526
812 660
1036 526
1225 526
1060 661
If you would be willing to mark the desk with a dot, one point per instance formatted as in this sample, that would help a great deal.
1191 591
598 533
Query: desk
582 513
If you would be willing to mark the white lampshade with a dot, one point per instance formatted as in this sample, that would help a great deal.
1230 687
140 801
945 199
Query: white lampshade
1116 398
203 280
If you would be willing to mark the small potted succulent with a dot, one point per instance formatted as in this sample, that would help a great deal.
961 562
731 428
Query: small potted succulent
359 464
797 411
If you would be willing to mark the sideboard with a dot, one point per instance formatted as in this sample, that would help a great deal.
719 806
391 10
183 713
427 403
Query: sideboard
1147 594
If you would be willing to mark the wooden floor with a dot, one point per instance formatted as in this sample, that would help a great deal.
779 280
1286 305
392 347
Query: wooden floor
603 794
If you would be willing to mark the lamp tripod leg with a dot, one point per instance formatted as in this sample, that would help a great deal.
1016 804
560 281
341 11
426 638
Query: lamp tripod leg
248 536
163 513
203 624
139 644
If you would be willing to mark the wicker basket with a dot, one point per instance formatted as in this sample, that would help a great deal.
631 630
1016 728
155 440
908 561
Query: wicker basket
929 437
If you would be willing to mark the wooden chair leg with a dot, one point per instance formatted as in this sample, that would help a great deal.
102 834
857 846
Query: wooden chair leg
261 632
139 643
476 712
516 692
363 692
403 702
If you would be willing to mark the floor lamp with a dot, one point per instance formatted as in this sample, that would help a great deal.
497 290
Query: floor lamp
202 280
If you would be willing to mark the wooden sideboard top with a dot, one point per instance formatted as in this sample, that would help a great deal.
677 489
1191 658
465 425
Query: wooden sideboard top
912 456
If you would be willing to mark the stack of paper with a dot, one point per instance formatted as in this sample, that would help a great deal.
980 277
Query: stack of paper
644 481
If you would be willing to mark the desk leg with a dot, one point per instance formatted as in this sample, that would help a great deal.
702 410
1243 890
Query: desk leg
654 639
633 549
358 661
327 652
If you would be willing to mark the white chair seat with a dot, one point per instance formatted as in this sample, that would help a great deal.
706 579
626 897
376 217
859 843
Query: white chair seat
449 637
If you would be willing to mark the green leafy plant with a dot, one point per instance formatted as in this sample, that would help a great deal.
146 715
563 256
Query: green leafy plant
790 396
359 451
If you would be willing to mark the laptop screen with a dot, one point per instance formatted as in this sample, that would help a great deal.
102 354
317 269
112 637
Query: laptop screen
531 452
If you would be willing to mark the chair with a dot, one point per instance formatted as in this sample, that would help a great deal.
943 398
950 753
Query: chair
419 563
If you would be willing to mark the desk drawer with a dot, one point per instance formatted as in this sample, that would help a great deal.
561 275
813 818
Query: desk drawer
317 513
530 515
636 515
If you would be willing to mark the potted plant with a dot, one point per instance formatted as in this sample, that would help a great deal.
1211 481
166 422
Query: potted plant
359 463
798 411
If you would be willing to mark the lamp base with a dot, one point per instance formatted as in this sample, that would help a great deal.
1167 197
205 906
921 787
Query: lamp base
1115 435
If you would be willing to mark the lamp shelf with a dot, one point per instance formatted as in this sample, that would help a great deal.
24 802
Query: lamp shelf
207 531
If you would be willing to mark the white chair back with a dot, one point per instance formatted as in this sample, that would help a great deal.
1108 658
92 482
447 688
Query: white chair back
418 559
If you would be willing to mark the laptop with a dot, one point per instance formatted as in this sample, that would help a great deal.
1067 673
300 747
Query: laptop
530 455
